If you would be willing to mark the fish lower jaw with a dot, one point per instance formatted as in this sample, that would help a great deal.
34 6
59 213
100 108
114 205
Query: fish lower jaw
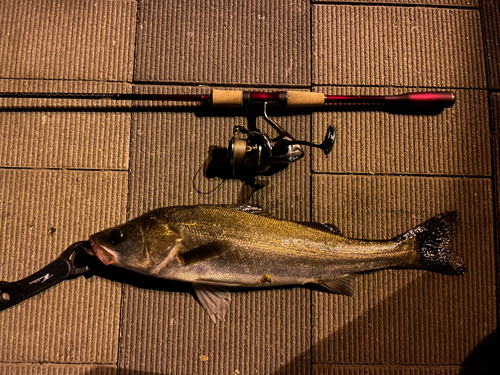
102 253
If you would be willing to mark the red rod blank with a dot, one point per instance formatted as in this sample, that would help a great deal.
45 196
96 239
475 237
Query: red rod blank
440 99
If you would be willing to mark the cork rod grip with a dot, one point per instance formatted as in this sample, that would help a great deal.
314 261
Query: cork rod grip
304 99
228 98
235 98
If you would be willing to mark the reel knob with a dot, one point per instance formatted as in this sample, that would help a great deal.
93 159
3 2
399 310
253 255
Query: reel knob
327 145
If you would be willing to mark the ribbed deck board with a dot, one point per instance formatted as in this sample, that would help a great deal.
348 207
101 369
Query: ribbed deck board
72 167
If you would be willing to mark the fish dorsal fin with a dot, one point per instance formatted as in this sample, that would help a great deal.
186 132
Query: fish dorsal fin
340 285
328 228
203 252
249 209
214 299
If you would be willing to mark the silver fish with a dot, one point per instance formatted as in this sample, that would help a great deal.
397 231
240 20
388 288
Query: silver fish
242 246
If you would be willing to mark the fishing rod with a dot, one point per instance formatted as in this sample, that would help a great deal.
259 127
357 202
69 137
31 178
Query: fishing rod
238 98
253 152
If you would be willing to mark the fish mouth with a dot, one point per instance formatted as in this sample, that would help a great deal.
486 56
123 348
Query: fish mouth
104 254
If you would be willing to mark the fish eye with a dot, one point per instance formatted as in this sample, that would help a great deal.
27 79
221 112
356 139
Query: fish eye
115 237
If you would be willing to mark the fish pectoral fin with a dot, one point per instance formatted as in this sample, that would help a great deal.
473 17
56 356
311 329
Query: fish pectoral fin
328 228
248 209
341 285
214 299
203 252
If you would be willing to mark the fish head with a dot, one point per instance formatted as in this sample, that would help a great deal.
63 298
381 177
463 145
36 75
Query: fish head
117 245
136 244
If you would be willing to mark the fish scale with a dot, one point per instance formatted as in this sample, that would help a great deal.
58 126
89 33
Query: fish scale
242 246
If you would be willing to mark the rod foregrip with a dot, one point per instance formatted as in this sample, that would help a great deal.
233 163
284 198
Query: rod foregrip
304 99
227 98
428 100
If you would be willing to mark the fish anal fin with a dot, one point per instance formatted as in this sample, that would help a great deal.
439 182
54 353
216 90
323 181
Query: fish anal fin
340 285
214 299
329 228
203 252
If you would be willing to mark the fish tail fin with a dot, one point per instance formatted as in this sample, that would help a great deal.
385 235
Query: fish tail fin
432 240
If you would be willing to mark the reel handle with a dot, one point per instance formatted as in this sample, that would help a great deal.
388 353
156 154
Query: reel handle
326 145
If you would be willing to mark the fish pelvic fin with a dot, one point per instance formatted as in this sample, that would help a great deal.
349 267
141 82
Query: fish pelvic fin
432 242
214 299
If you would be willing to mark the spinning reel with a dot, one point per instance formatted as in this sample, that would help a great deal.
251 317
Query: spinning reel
257 151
